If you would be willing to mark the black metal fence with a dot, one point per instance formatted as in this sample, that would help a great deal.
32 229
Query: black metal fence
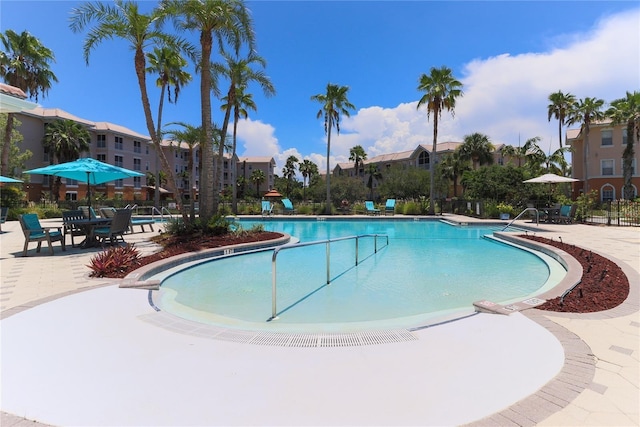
621 213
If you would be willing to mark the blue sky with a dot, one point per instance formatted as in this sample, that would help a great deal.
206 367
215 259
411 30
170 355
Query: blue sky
510 55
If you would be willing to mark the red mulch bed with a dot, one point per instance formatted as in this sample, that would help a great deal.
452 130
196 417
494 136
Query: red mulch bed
603 286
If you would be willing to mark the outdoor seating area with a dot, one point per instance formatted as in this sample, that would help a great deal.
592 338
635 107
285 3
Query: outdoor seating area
35 232
118 226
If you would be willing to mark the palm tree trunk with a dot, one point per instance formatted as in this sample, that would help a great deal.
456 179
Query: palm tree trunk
234 192
207 183
223 135
585 187
432 167
156 193
627 162
327 208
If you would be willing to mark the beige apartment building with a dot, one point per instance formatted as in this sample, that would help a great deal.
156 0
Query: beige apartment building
603 169
120 146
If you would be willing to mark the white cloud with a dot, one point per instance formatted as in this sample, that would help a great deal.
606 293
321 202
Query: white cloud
506 96
257 139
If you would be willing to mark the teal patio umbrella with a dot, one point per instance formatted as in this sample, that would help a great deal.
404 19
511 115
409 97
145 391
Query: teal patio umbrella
8 180
87 170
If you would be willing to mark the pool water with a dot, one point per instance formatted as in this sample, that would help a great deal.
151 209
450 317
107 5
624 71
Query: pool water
428 267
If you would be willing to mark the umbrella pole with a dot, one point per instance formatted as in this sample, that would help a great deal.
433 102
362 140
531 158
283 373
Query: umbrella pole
89 195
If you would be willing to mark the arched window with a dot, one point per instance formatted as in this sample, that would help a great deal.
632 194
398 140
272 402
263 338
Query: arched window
423 159
607 193
635 192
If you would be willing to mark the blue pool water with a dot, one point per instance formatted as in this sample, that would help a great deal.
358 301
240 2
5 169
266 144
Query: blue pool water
428 267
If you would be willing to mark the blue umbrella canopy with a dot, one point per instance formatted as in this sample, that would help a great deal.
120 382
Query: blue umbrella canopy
7 179
86 170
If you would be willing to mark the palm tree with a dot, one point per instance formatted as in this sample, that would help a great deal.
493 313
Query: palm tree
257 177
478 148
559 107
307 168
169 65
357 155
520 152
65 140
242 102
374 173
627 110
586 111
24 63
190 135
441 91
122 19
289 172
452 168
334 103
223 21
240 74
539 162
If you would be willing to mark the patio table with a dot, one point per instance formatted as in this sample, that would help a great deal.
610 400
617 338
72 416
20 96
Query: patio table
89 226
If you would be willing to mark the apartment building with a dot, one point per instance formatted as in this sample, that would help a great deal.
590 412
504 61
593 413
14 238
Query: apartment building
247 165
120 146
603 170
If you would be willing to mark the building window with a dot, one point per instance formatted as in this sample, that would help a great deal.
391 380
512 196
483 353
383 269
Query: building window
45 180
45 155
71 182
101 157
119 183
119 143
137 147
146 166
146 149
101 141
118 161
607 167
137 164
624 137
423 159
71 195
137 182
607 138
608 193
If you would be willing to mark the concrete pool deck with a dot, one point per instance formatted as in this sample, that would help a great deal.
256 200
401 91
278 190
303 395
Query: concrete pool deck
90 358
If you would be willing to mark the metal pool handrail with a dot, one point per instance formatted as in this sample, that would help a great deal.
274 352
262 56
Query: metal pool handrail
521 213
327 242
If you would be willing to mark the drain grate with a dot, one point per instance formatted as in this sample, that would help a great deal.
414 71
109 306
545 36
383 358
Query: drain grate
276 339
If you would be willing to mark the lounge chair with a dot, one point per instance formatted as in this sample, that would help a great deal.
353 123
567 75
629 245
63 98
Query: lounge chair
119 225
288 207
88 212
567 212
267 208
110 212
69 228
390 207
4 211
34 232
370 209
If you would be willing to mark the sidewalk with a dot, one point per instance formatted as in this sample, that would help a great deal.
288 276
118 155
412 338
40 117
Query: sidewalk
611 398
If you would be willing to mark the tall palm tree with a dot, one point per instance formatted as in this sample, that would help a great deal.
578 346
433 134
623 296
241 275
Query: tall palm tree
240 74
520 152
190 135
224 21
257 177
441 90
559 107
289 172
478 148
334 104
539 162
627 110
169 65
586 111
306 168
65 140
123 20
24 63
357 155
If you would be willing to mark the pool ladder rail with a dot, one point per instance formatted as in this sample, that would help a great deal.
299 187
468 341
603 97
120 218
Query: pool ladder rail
522 213
277 250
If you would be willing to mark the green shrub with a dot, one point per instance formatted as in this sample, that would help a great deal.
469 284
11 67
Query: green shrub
304 209
11 196
114 260
411 208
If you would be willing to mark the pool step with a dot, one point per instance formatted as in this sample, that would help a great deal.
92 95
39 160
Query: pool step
485 306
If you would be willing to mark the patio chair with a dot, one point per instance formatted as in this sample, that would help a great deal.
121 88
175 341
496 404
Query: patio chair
115 231
288 207
267 208
88 212
4 211
69 228
370 209
34 232
567 212
390 207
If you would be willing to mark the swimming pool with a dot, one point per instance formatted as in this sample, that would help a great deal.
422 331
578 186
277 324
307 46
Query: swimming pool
429 270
